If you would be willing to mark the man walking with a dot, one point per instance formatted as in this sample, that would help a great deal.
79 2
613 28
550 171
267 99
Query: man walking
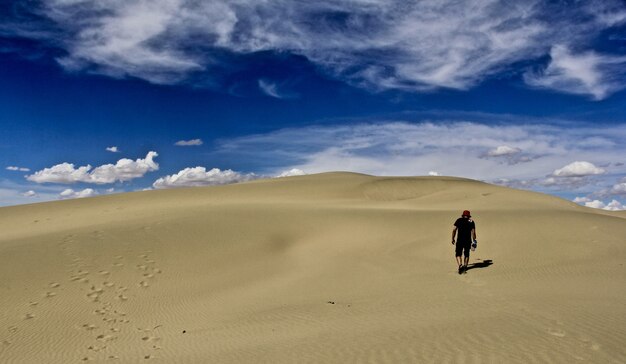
466 232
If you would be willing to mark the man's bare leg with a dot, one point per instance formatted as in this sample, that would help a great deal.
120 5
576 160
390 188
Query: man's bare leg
465 262
458 262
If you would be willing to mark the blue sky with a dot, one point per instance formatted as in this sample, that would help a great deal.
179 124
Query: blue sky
107 97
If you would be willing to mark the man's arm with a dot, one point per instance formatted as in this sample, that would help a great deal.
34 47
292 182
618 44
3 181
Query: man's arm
453 234
474 231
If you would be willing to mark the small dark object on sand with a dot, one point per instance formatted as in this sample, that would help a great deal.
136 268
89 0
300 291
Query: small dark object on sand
331 302
184 331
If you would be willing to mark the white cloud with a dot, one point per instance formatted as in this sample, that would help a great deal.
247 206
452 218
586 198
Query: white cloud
516 183
124 170
13 193
596 204
275 90
510 155
70 193
199 176
61 173
402 148
21 169
113 149
503 150
270 89
578 169
614 205
582 199
563 182
587 73
377 44
188 143
291 172
618 189
29 193
128 38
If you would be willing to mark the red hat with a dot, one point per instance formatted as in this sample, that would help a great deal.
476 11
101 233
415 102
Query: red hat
466 213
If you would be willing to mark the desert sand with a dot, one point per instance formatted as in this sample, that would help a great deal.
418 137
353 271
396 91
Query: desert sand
327 268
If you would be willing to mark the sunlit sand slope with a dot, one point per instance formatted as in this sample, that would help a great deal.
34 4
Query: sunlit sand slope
334 267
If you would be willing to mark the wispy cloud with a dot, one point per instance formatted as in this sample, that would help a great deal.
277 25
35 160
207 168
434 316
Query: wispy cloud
275 90
113 149
377 44
558 158
20 169
189 143
269 89
587 73
124 170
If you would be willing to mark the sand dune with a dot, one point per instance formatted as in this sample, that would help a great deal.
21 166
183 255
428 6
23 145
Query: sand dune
334 267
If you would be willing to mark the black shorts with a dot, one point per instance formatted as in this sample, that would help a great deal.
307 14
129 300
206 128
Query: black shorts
463 247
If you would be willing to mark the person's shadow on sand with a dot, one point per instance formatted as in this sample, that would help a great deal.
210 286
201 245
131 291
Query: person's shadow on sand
484 264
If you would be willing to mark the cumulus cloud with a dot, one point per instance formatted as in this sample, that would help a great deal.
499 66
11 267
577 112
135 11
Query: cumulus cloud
578 169
510 155
618 189
70 193
291 172
614 205
377 44
587 73
189 143
572 176
20 169
124 170
503 150
199 176
113 149
596 204
29 193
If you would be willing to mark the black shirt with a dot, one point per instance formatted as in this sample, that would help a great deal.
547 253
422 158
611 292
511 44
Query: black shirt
464 228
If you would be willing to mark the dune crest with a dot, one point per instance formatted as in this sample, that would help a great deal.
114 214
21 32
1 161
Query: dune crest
334 267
